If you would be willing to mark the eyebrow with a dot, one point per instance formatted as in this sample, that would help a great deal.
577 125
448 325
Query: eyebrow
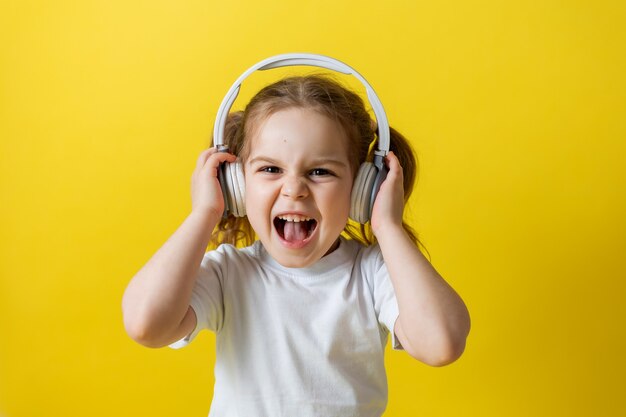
318 161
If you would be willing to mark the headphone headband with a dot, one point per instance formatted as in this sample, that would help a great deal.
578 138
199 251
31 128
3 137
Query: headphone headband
313 60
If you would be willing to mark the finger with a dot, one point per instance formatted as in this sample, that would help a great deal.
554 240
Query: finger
215 159
204 156
391 158
394 164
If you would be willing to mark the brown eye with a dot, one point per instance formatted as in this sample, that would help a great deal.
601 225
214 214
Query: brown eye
270 170
318 172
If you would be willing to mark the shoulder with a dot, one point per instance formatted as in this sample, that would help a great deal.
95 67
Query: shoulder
369 257
227 255
370 266
367 262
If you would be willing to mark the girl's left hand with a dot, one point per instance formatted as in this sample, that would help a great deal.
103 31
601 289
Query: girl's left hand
389 204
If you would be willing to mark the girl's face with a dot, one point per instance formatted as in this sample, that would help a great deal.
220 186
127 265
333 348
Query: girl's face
298 184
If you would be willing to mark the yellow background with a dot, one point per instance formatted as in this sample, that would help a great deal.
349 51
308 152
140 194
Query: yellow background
517 110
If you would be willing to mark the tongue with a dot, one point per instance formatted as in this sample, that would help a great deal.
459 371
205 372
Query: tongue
295 231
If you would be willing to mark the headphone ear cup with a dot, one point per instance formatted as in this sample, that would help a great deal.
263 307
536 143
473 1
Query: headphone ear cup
239 187
361 197
227 188
232 182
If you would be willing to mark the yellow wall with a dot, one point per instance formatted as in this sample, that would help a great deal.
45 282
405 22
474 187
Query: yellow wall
517 110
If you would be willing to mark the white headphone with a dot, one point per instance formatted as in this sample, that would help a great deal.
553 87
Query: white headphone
370 175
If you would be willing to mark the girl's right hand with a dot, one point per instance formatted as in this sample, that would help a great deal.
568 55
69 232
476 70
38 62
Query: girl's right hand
206 193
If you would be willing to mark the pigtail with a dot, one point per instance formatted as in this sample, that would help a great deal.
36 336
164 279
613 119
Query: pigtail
410 167
410 170
401 147
233 230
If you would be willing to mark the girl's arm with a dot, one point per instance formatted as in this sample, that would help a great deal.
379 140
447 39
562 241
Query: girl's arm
156 302
433 323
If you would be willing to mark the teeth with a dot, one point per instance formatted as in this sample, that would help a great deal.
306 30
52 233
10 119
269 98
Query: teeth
294 218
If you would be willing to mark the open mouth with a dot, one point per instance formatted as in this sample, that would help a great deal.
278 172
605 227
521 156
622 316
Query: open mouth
294 229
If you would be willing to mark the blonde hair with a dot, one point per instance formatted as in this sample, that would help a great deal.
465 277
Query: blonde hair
328 97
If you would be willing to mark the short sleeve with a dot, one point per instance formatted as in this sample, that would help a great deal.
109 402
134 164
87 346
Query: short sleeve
385 303
207 297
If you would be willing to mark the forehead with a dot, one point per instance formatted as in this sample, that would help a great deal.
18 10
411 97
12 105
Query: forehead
299 132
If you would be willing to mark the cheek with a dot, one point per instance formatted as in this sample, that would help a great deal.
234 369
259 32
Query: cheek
256 193
258 203
338 201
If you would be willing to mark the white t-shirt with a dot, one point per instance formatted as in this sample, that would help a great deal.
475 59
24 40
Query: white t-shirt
296 341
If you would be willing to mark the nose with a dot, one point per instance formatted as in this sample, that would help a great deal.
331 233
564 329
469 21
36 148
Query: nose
294 188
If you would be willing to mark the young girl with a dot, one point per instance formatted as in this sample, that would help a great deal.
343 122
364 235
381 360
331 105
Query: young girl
303 313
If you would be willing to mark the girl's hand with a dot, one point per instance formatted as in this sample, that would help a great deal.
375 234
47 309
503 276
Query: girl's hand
206 193
389 204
